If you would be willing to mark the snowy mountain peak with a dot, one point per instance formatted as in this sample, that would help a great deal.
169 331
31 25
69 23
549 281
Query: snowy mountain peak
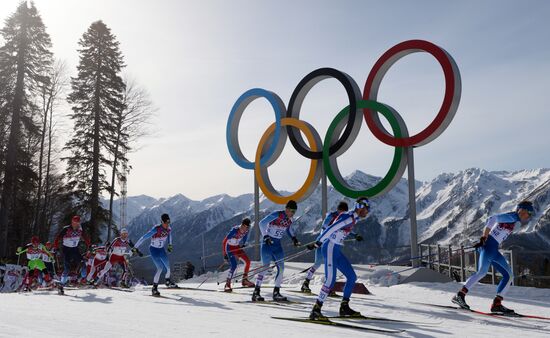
178 198
452 208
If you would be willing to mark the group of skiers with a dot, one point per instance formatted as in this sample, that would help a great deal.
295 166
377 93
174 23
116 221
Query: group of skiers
91 269
335 229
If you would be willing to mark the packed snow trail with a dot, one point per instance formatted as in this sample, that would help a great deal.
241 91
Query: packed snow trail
195 313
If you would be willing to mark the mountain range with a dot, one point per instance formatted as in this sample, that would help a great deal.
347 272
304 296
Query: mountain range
451 209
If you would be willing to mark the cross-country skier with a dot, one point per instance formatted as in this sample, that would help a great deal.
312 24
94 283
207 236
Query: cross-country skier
88 261
331 217
331 240
70 236
273 227
98 261
497 229
35 251
117 251
159 234
49 259
233 243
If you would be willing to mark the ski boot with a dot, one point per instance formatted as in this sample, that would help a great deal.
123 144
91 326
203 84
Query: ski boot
346 311
170 284
459 300
26 284
498 308
277 295
305 286
227 287
246 283
315 313
256 295
60 290
97 282
154 291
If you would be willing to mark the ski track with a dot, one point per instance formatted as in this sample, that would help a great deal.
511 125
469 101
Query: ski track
190 313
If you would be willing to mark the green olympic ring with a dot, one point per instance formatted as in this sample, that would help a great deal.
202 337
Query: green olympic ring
398 164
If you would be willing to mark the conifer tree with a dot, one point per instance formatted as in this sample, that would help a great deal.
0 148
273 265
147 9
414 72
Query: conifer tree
96 97
25 59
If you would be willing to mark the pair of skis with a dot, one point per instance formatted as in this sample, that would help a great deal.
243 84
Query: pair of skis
331 295
492 314
336 321
333 321
508 317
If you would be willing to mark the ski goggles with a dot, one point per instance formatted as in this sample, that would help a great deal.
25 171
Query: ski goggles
360 205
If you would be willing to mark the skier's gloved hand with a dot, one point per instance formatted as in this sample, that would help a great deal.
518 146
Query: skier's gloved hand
481 242
19 249
242 245
313 246
170 248
137 252
268 240
225 257
358 238
295 241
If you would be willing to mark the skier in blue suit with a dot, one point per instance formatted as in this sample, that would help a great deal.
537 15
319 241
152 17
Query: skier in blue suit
497 229
160 235
273 227
331 217
331 240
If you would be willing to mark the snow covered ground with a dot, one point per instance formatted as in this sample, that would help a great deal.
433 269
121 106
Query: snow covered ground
198 313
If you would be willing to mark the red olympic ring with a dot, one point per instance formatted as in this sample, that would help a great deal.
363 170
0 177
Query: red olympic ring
450 100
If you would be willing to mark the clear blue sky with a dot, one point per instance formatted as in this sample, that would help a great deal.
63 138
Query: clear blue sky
197 57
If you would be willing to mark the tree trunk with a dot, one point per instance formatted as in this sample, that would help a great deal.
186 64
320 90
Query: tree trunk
8 191
47 179
45 109
113 175
94 208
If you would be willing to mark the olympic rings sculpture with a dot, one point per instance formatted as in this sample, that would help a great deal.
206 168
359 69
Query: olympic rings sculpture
345 127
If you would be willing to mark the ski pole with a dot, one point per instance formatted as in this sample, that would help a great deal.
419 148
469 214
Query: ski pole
207 278
139 257
264 267
277 263
306 269
259 269
282 259
130 270
54 268
230 251
309 267
270 266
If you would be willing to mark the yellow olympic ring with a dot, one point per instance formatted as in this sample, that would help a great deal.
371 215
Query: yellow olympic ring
314 174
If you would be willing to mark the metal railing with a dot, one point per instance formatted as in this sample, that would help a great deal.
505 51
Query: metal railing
459 261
